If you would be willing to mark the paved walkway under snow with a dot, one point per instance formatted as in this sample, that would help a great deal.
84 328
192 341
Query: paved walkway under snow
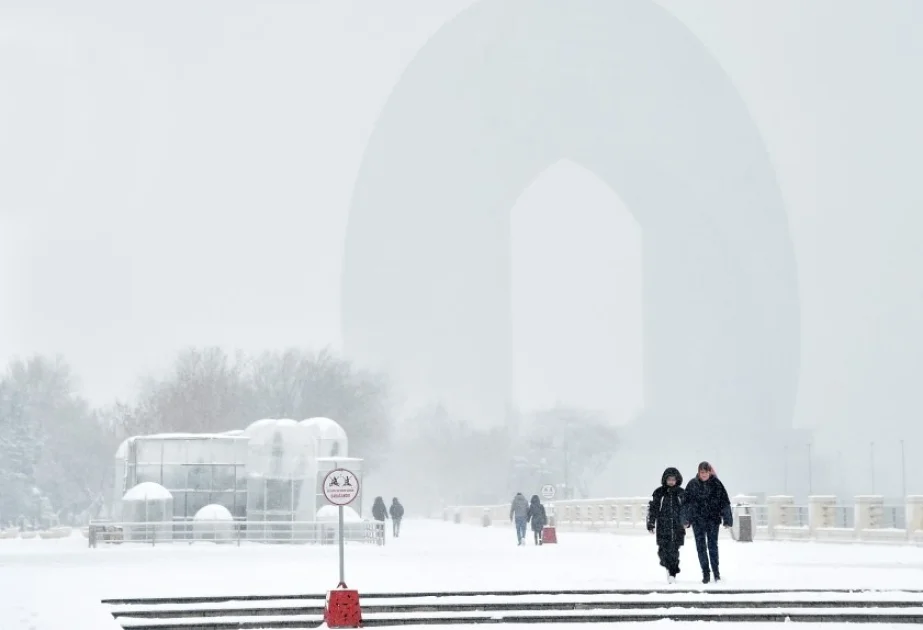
430 555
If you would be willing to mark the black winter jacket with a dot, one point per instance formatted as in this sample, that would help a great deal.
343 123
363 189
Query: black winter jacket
536 515
707 502
396 511
666 509
379 511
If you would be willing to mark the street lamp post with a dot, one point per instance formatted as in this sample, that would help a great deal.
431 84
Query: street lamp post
785 469
810 472
872 465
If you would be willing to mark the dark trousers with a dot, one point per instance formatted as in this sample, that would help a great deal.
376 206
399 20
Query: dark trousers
669 557
706 544
537 536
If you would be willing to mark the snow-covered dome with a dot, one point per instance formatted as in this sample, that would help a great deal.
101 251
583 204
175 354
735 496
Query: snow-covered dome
331 437
213 512
279 448
122 451
213 522
331 513
260 425
325 427
150 507
148 491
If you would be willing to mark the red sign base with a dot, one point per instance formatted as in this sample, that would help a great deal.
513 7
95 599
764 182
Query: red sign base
549 536
342 608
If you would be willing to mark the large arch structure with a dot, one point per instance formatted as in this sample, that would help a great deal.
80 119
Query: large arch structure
503 91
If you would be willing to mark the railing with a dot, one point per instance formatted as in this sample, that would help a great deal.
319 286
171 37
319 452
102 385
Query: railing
869 519
235 532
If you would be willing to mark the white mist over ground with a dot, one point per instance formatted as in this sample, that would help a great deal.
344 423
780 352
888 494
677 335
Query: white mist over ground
42 580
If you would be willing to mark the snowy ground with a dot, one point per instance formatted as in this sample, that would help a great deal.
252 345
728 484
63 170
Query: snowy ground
57 584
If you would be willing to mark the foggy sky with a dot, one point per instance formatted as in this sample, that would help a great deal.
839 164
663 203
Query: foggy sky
179 173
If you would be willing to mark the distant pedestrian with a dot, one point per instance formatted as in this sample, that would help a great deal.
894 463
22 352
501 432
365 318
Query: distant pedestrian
379 511
665 515
519 514
536 516
397 513
707 507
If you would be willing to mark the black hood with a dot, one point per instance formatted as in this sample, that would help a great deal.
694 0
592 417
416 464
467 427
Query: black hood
535 499
671 472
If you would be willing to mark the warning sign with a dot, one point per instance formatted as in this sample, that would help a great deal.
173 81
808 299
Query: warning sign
341 486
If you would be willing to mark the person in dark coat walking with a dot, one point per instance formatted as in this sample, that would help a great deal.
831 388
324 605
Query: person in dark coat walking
707 507
536 516
397 513
379 511
665 515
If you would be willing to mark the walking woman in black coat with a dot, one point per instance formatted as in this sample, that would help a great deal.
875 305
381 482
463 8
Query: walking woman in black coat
665 515
379 511
536 515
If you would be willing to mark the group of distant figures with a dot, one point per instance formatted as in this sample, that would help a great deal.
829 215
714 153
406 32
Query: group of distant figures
703 505
522 513
381 513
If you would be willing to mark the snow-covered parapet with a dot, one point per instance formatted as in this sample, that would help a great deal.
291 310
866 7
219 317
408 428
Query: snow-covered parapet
915 516
869 512
743 499
821 512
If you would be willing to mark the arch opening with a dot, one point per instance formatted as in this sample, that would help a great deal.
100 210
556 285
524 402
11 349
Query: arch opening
575 295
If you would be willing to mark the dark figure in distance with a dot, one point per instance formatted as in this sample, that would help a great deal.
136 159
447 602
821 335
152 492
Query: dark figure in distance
519 515
707 506
397 513
379 511
536 516
665 514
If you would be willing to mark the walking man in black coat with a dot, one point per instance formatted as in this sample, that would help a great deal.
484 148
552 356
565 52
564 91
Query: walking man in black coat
707 506
665 514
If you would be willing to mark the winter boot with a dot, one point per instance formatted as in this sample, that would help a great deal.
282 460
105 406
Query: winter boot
706 578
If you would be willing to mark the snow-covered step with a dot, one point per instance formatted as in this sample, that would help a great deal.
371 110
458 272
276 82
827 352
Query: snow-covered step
296 608
159 609
672 591
676 613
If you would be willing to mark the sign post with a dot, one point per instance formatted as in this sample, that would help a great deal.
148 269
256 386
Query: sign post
341 487
549 531
548 492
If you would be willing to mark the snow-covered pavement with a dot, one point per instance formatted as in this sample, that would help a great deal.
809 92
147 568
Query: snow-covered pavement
41 579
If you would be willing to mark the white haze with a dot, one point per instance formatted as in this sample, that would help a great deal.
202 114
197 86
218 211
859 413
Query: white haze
179 173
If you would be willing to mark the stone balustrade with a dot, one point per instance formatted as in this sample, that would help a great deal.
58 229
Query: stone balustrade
824 518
